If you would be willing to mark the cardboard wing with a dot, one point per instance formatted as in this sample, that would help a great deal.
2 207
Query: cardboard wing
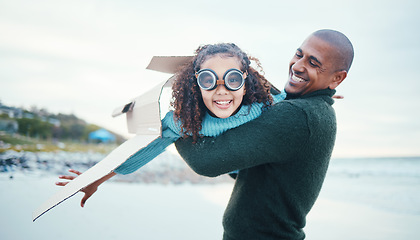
143 119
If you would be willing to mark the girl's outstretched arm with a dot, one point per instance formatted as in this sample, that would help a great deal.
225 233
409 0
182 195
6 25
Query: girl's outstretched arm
135 162
89 190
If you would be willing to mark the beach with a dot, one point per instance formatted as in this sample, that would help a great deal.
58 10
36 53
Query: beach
361 199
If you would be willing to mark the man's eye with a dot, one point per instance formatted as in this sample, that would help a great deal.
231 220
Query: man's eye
313 64
298 55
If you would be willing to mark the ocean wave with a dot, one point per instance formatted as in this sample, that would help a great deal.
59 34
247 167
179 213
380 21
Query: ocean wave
390 167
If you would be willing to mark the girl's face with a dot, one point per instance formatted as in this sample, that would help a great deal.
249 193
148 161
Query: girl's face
221 102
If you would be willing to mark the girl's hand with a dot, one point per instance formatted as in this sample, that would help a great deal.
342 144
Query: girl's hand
68 177
89 190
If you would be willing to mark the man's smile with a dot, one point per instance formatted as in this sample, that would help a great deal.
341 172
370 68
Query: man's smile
297 79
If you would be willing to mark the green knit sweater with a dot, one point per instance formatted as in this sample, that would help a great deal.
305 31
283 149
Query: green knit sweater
283 157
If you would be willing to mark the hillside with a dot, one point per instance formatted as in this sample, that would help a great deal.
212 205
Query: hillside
35 127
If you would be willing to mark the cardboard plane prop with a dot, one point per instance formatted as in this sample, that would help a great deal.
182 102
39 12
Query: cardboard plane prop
143 119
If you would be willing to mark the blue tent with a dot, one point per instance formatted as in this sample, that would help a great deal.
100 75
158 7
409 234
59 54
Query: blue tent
101 135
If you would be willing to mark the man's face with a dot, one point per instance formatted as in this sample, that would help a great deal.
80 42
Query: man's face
311 68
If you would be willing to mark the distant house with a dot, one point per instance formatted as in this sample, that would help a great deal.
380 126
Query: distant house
9 126
54 122
12 112
102 136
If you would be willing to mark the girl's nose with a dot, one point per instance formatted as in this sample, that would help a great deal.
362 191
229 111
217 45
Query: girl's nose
221 89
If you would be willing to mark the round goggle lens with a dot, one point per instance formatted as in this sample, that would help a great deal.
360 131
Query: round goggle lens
234 80
206 80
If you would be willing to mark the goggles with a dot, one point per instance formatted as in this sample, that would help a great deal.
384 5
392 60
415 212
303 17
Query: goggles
207 79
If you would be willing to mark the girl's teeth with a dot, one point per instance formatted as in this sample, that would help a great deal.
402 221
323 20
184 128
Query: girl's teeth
297 79
223 102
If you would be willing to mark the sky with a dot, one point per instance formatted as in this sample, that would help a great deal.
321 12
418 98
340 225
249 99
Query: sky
88 57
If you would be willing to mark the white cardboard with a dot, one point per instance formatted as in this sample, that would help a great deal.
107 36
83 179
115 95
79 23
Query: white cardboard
143 119
101 169
168 64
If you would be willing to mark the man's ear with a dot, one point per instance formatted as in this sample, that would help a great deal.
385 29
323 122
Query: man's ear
338 78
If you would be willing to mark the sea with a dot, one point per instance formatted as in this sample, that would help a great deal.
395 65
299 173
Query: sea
391 184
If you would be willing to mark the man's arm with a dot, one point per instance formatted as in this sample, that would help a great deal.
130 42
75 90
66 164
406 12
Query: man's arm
276 134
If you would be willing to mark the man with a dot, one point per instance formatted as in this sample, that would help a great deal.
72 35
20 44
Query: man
284 154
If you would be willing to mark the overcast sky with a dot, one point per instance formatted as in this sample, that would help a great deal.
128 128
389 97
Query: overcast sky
88 57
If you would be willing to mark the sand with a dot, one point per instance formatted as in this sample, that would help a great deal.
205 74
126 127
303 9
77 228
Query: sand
186 211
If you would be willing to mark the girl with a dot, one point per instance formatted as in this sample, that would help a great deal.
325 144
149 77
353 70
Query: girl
218 90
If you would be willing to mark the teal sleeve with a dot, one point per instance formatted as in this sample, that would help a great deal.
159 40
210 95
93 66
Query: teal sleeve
147 154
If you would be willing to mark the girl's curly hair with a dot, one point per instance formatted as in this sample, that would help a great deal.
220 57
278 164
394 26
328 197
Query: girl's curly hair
187 101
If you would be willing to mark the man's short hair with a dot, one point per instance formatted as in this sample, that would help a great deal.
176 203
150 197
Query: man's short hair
338 40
